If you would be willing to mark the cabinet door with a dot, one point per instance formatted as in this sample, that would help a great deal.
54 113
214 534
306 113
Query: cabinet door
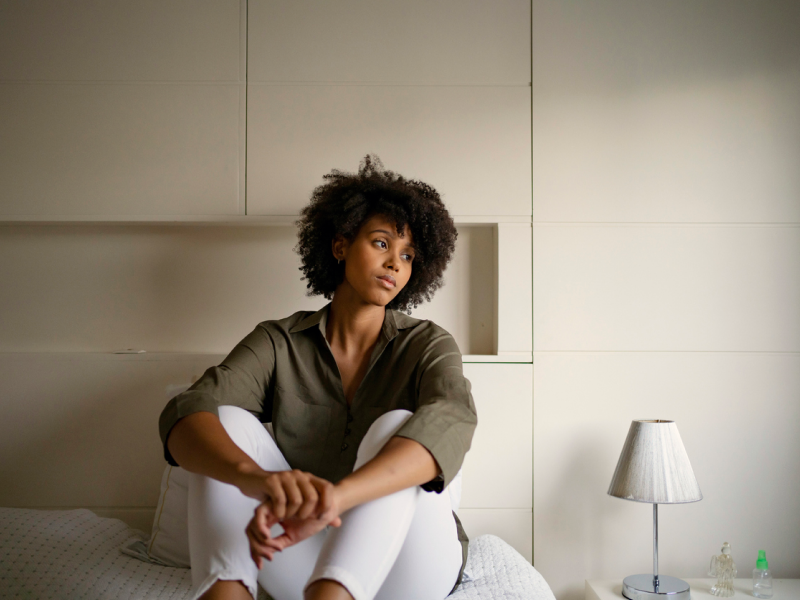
470 143
497 487
440 91
122 108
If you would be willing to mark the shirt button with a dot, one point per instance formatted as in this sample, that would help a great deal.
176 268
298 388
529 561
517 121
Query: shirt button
344 446
347 431
349 418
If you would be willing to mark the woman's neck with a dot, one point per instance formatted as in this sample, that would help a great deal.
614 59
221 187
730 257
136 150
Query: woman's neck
353 325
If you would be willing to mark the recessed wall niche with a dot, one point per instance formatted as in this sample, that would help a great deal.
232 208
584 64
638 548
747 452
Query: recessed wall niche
195 289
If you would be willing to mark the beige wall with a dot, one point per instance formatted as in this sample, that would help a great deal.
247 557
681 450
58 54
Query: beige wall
666 240
666 209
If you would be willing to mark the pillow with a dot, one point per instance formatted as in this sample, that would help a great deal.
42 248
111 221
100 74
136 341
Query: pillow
169 539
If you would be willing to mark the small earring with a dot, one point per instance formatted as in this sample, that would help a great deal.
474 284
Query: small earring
338 261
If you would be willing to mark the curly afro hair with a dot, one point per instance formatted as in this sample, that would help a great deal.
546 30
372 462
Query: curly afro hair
347 200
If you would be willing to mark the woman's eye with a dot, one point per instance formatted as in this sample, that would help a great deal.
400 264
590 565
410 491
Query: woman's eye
380 242
410 258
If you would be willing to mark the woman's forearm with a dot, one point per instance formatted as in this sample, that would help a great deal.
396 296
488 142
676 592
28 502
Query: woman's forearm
402 463
200 444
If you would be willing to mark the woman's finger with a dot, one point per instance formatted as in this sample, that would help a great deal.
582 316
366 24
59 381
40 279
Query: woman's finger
253 531
325 491
268 544
258 551
310 495
277 495
261 523
294 497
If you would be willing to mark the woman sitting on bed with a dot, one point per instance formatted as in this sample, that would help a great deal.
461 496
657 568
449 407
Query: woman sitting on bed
370 410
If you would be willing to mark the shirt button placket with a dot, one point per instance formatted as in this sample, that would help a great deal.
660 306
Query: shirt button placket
347 429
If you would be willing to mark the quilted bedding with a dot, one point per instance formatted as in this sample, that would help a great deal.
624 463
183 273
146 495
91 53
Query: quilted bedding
76 555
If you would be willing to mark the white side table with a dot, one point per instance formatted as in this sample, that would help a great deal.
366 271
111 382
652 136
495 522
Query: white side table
782 589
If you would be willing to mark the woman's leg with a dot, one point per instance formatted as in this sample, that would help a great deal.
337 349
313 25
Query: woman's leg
218 512
403 545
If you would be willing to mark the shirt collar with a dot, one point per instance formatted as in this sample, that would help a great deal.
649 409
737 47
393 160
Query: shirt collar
392 322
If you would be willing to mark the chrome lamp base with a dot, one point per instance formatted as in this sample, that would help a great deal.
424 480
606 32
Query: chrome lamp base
642 587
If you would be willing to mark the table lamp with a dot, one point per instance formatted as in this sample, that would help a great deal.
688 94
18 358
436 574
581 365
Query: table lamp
653 467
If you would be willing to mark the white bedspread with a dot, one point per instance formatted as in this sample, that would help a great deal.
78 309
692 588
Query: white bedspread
76 555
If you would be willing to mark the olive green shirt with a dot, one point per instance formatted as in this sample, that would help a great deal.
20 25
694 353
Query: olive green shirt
284 372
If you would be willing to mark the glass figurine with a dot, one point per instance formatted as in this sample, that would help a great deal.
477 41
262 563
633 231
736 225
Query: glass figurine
724 569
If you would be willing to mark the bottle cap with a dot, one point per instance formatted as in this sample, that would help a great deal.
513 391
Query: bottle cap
761 563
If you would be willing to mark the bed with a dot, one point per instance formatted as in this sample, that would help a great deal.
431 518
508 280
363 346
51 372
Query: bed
77 555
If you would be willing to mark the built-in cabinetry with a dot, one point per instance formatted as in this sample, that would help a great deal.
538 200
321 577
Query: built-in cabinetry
155 156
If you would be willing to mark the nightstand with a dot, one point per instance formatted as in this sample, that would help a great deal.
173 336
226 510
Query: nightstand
782 589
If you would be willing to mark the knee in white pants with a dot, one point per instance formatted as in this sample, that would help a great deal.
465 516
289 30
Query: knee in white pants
242 427
381 430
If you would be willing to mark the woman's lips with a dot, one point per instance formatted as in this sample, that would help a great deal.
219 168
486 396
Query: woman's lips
387 282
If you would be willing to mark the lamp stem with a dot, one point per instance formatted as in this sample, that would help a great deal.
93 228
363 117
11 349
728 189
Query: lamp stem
655 547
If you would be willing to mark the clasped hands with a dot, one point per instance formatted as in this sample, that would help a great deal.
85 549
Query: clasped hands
301 502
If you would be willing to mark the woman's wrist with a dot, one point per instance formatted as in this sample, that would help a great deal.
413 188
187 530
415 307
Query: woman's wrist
245 472
344 494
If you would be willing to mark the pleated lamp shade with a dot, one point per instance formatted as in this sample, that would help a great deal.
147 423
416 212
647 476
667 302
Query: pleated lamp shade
654 467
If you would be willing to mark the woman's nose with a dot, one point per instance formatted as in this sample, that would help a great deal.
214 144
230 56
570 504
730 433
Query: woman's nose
392 262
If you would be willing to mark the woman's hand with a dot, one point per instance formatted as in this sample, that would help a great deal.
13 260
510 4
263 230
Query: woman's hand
303 503
295 530
289 493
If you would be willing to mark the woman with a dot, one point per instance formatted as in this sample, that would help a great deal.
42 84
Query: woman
370 410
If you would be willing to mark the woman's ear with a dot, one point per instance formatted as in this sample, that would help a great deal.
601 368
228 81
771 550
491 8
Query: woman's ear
338 246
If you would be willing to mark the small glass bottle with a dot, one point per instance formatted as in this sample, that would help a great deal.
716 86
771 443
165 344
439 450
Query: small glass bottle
724 569
762 577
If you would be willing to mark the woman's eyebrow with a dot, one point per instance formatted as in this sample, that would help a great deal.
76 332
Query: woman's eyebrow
392 235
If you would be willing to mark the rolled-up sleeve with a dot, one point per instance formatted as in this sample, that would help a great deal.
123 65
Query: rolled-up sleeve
445 417
241 379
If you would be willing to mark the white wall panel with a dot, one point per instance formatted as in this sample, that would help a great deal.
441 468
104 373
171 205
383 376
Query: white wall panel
652 111
737 414
117 149
146 40
513 525
606 287
514 315
471 143
625 45
732 148
445 42
497 470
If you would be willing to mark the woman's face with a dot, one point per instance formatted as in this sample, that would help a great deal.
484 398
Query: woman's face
378 261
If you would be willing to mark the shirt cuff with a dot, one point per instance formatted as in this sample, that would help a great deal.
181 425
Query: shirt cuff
443 444
434 485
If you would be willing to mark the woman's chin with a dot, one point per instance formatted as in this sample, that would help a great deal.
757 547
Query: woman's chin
381 299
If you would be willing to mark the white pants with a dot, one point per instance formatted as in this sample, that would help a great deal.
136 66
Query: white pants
401 546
